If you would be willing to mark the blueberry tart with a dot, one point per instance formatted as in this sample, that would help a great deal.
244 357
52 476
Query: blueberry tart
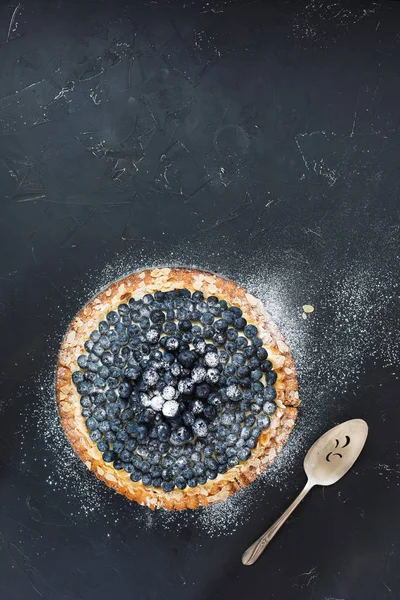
175 387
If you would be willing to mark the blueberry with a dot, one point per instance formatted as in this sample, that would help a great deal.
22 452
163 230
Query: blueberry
188 473
180 436
239 359
88 345
180 482
202 390
186 386
95 435
110 437
141 432
109 456
77 377
250 331
211 359
242 343
220 325
86 412
211 464
212 474
255 409
200 428
269 407
240 323
231 347
257 386
198 296
184 325
232 334
215 400
198 374
263 421
271 377
207 318
208 332
82 361
167 486
199 345
256 374
251 443
95 336
244 453
269 393
85 388
233 393
188 418
186 358
146 480
112 317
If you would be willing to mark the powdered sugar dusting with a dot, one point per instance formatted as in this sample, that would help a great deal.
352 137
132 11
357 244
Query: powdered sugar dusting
352 324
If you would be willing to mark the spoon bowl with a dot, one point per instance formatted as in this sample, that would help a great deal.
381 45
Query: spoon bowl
335 452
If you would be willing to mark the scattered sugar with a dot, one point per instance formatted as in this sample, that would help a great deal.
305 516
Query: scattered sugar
353 324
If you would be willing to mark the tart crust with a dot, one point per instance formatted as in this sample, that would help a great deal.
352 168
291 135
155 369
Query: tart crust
270 441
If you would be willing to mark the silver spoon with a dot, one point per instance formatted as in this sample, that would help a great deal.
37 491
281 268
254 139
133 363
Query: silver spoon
328 459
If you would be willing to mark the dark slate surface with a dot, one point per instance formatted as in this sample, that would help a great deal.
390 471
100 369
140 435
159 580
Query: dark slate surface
256 139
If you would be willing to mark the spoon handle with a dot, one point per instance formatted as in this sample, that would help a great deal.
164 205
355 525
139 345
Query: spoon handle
255 550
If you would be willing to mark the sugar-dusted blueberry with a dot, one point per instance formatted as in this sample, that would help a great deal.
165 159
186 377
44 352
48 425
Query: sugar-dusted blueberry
263 421
200 428
211 359
170 408
88 345
269 407
244 453
95 336
180 436
77 377
269 393
91 423
215 400
85 388
188 418
256 374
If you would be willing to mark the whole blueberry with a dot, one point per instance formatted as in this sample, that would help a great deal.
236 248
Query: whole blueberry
77 377
266 366
109 456
242 343
256 374
244 453
250 331
240 323
269 407
112 317
202 390
187 358
88 345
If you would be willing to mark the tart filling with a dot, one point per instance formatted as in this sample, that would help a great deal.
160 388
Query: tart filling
171 382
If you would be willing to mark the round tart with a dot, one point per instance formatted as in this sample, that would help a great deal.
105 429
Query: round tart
175 387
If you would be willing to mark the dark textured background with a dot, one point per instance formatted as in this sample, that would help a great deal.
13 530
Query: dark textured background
246 137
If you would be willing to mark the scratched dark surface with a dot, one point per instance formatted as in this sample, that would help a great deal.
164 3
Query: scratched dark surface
239 131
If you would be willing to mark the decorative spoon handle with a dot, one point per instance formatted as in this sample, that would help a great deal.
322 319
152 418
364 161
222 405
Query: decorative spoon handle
255 550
